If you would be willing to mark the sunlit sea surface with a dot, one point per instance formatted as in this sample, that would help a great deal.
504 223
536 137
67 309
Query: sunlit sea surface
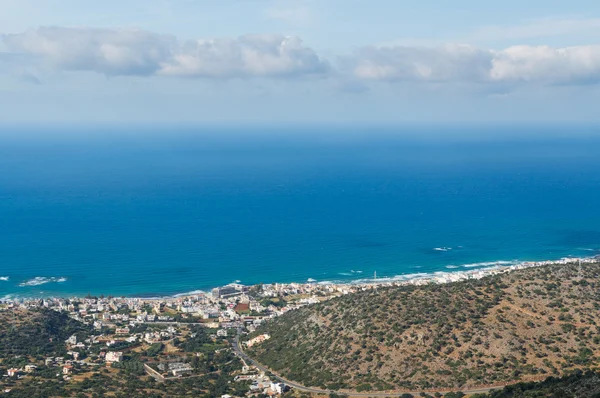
152 212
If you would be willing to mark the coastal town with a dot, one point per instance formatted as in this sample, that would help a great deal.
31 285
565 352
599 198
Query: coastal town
176 338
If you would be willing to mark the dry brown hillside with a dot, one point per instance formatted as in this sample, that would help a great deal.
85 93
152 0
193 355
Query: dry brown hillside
523 325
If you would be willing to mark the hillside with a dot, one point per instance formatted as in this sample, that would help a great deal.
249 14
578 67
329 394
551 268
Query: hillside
577 385
36 332
521 326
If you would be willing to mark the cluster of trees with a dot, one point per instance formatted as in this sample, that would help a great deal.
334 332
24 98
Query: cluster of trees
131 366
277 302
38 333
154 349
577 385
197 341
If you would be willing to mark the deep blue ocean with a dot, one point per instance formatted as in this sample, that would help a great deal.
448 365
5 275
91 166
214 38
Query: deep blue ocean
143 211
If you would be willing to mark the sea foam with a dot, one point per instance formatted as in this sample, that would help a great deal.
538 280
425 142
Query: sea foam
192 293
40 280
491 263
4 278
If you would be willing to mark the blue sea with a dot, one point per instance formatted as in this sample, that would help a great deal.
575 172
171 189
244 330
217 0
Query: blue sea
154 211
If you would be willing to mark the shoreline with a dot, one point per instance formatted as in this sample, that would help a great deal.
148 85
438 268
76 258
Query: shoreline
473 271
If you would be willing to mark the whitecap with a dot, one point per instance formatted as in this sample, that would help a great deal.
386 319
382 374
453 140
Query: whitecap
311 280
345 273
4 278
452 266
395 278
490 263
40 280
412 276
192 293
442 249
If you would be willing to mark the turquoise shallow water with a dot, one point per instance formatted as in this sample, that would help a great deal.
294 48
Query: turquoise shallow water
159 212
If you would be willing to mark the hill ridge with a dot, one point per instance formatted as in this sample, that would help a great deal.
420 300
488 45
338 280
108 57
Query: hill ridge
520 326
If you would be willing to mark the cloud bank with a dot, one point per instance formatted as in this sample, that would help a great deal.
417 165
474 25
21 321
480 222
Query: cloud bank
121 52
449 63
134 52
461 63
110 52
265 55
546 64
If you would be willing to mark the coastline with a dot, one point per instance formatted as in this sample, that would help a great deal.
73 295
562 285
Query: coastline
472 271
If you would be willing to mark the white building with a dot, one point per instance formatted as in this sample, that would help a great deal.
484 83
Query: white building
180 369
278 388
30 368
257 340
72 340
114 356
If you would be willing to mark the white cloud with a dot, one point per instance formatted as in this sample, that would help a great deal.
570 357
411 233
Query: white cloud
265 55
134 52
575 65
447 63
111 52
540 64
115 52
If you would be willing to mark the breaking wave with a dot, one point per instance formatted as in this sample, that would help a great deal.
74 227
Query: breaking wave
352 272
192 293
40 280
491 263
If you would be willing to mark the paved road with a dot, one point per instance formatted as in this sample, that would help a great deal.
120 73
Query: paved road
237 349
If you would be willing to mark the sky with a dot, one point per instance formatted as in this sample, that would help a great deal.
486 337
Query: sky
299 61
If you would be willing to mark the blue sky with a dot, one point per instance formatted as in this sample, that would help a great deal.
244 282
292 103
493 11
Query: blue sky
277 61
